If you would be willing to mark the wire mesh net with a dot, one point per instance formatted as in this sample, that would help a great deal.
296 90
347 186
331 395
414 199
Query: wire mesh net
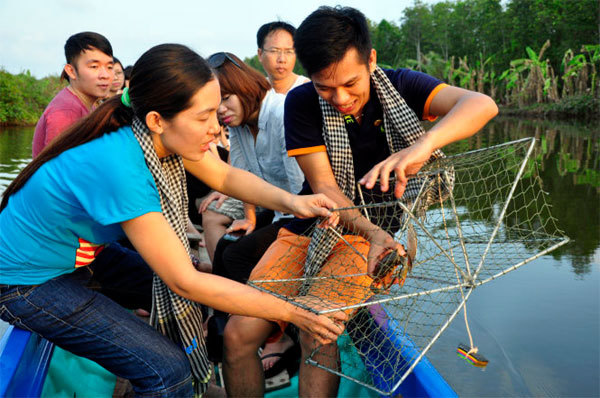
464 220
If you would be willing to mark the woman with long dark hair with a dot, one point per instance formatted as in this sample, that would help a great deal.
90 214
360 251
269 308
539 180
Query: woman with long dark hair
119 172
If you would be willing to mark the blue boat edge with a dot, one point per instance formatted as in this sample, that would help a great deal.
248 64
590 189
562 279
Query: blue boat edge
390 338
24 362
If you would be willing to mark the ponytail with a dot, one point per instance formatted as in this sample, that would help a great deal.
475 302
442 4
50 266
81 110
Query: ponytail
108 117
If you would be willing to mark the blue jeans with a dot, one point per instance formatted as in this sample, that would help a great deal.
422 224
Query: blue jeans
87 323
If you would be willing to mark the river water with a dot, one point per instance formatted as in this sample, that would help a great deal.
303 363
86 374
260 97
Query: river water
540 325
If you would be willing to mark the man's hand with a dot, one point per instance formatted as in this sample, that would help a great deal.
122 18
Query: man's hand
382 244
404 163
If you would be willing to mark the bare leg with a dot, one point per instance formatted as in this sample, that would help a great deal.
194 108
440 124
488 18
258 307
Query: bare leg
313 381
242 368
214 225
190 228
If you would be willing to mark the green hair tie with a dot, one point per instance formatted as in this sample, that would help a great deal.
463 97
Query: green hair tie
125 97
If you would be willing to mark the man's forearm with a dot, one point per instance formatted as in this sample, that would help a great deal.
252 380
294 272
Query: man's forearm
468 115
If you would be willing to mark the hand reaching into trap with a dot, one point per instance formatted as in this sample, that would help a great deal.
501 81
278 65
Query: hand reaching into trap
393 262
391 268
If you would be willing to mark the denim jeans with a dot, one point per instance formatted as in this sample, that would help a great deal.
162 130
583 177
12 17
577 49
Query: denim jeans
87 323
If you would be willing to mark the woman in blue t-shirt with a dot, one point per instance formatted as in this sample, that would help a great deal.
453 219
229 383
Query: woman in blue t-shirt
116 173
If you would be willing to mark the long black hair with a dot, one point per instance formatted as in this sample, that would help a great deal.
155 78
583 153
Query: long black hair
164 79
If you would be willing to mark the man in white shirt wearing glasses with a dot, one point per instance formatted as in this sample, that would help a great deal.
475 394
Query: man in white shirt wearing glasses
276 53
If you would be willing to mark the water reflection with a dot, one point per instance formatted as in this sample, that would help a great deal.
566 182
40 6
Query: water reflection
568 160
539 326
15 152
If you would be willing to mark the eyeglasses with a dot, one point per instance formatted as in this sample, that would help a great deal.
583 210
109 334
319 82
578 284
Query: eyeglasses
218 59
288 52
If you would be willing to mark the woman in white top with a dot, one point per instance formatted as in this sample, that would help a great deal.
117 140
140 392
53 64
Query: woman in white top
253 112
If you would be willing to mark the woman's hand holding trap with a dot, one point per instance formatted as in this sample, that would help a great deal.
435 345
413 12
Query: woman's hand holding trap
324 328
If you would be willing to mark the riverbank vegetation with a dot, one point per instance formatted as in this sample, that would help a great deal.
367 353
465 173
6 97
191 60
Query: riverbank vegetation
23 98
534 57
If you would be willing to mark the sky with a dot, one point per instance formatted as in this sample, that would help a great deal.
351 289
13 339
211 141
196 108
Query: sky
33 32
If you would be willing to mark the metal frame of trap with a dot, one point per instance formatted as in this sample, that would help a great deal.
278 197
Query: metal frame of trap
469 278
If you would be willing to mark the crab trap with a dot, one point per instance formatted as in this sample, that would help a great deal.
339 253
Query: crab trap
464 220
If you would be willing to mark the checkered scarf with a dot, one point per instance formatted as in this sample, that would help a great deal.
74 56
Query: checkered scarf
174 316
402 129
